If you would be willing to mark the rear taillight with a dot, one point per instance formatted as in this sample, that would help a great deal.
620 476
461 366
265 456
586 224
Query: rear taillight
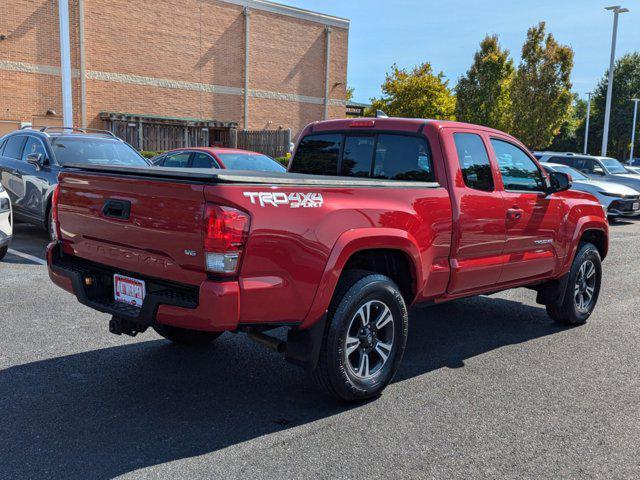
225 233
55 224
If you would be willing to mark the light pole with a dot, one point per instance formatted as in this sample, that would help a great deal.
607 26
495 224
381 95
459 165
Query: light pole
65 63
633 128
617 10
586 128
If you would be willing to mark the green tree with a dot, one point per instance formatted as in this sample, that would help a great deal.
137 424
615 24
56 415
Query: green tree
350 92
483 94
541 90
415 93
571 135
626 85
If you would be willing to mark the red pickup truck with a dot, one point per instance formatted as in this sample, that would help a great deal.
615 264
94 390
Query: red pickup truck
373 216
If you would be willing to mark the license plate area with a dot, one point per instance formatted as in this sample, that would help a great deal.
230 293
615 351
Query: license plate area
635 206
128 290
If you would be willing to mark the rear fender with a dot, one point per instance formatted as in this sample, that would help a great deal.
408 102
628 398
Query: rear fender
354 241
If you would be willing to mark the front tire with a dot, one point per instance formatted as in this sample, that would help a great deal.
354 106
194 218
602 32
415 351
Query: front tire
365 337
185 336
583 288
3 252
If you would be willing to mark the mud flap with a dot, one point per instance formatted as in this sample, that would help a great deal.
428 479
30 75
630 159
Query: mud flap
552 292
303 346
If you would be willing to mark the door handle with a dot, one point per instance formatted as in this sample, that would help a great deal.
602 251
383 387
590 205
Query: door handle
515 213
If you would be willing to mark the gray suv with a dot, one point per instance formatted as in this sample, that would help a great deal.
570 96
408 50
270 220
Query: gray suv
597 168
31 159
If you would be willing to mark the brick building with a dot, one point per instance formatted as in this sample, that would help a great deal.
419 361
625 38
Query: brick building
181 64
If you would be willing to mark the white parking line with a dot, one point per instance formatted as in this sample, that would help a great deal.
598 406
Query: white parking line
26 256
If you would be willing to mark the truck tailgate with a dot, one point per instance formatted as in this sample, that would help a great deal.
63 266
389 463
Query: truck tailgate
149 226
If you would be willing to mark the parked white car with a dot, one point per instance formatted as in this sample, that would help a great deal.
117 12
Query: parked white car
6 222
618 200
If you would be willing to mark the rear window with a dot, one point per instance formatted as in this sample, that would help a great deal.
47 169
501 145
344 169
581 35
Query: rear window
318 154
400 157
250 161
368 155
13 147
357 157
95 151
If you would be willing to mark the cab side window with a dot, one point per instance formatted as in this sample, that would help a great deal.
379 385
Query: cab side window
33 146
203 160
474 161
569 162
13 147
588 166
518 171
177 160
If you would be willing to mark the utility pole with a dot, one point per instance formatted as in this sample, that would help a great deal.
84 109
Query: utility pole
633 128
65 63
586 128
617 10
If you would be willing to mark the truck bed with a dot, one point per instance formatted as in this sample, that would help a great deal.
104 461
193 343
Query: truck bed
213 176
291 246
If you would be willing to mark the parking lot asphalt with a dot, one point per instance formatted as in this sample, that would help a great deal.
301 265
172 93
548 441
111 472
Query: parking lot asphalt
490 387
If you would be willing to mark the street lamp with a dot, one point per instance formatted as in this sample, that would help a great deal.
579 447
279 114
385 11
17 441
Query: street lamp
633 128
586 127
617 9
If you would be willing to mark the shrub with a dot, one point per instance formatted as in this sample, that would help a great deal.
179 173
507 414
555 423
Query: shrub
284 161
149 154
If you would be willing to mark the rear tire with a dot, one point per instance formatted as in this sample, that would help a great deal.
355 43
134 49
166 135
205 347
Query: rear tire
185 336
50 227
3 252
367 318
583 288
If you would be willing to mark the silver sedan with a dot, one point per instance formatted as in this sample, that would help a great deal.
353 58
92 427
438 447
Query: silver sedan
617 200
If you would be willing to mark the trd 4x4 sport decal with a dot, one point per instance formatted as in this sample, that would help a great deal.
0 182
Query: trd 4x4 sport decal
294 200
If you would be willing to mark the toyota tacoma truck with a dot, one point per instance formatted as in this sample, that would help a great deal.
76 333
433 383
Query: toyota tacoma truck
373 216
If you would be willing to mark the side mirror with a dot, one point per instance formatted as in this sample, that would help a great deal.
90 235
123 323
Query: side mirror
36 159
559 182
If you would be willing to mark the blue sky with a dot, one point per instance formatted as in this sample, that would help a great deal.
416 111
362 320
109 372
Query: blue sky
447 33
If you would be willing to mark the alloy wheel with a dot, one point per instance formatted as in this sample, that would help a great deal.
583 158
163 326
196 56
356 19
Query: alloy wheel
585 286
370 339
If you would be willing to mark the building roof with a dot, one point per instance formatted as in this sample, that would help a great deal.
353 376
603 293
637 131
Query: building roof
301 13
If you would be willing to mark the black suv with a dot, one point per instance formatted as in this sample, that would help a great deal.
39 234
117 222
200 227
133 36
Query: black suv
31 159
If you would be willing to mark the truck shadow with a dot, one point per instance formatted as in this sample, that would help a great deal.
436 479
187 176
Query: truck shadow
103 413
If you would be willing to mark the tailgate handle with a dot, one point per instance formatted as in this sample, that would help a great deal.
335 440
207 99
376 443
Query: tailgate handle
120 209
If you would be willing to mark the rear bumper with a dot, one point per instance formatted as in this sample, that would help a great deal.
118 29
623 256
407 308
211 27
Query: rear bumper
214 306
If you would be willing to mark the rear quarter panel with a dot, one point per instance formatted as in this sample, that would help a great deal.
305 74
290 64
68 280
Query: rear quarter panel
294 253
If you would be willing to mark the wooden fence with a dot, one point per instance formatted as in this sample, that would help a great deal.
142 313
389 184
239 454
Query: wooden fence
274 143
164 133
